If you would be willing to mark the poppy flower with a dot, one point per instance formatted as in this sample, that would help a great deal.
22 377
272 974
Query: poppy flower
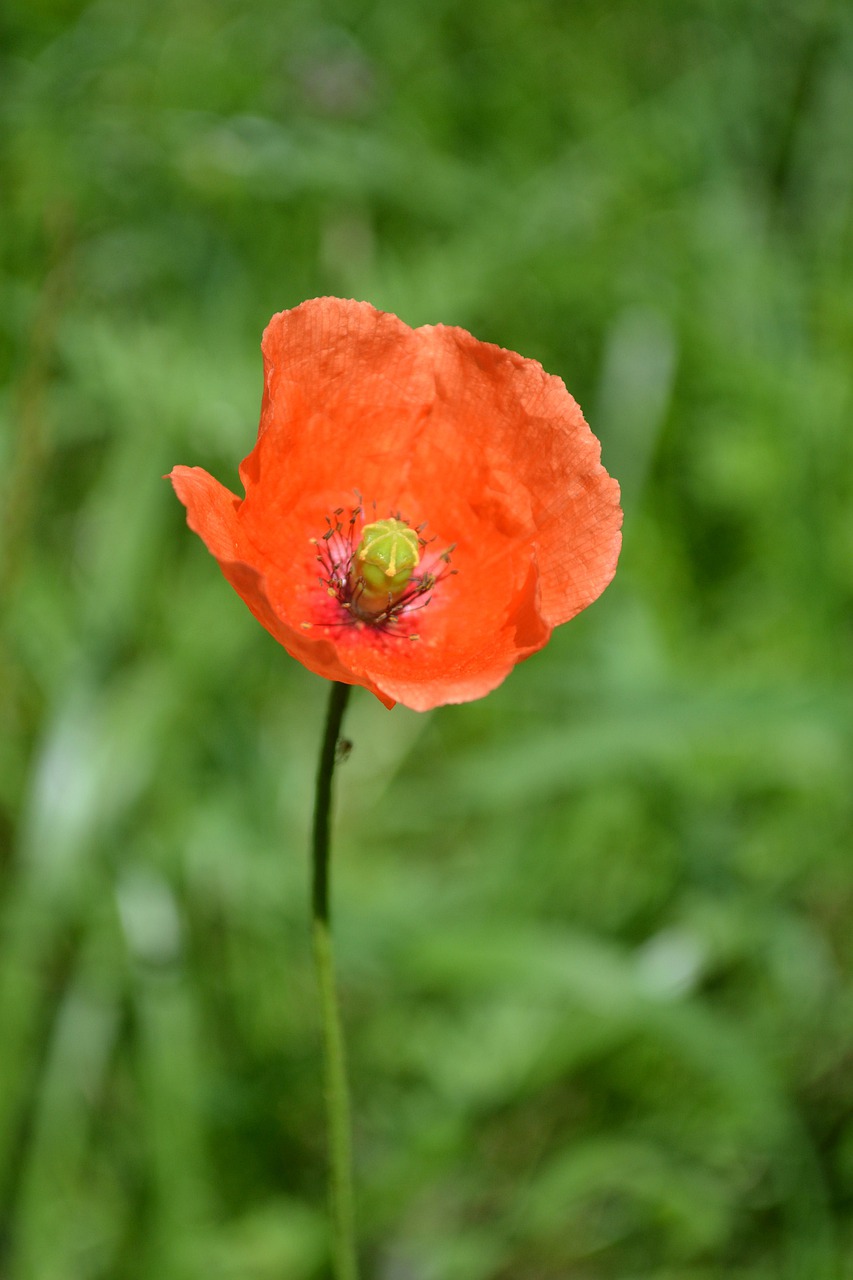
421 509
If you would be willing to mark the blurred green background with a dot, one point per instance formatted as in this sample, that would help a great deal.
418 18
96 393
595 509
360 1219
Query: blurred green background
594 931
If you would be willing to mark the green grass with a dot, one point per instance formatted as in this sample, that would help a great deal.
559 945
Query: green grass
594 931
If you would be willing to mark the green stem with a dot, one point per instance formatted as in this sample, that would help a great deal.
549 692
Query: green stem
337 1094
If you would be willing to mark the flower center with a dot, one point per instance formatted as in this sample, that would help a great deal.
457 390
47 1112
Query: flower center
380 575
385 559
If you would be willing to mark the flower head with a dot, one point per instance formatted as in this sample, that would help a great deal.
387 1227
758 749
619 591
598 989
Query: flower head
421 509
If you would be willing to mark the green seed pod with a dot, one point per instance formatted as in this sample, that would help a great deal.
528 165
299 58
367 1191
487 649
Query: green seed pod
385 559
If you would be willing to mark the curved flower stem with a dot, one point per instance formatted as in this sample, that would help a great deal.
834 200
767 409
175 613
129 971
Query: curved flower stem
337 1095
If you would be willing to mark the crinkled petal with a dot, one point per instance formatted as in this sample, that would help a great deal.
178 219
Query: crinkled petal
211 513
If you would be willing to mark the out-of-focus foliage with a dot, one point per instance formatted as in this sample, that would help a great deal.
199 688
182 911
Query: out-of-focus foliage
595 931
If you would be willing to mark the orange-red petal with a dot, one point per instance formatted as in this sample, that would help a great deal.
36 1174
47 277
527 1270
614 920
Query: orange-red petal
211 513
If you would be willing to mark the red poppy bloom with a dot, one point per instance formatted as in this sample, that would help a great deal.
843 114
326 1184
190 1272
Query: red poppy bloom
421 509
